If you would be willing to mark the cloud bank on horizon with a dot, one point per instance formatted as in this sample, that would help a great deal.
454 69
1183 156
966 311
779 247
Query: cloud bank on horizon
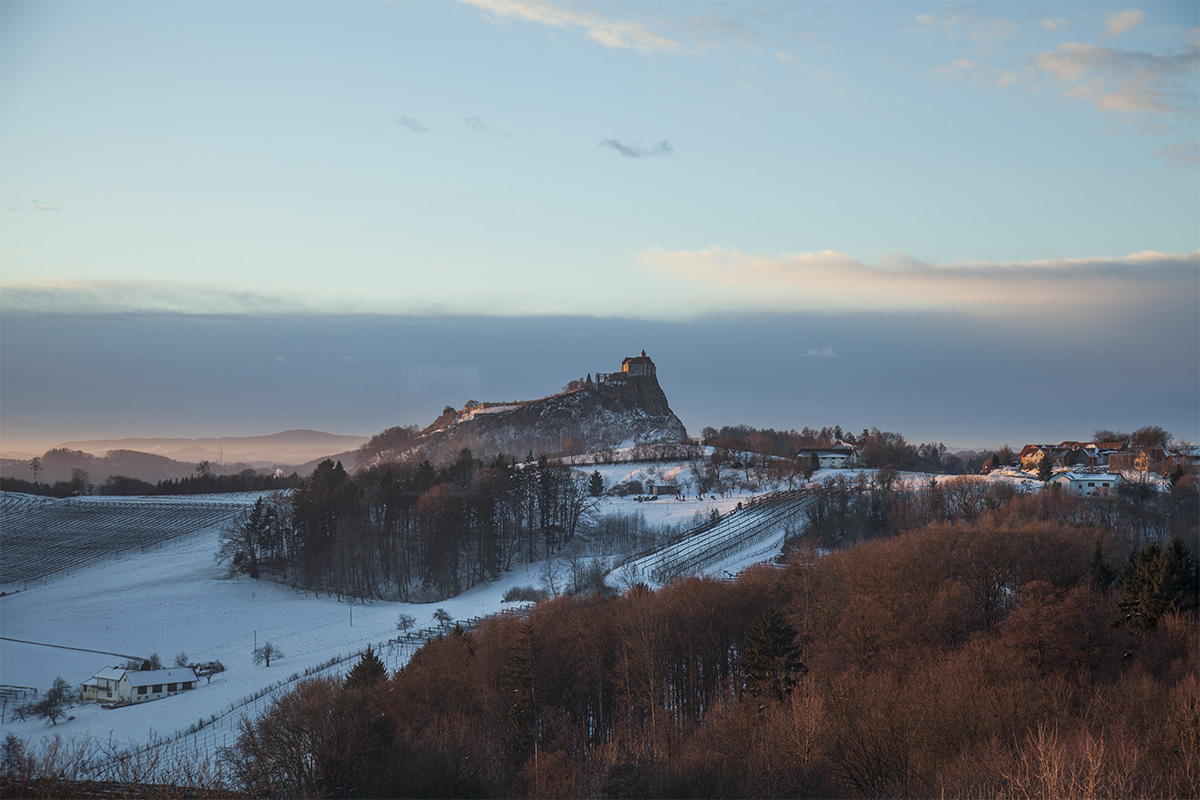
708 281
654 162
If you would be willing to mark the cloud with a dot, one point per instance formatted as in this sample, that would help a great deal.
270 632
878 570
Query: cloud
824 352
412 124
833 281
353 360
1124 81
987 34
1053 24
48 208
103 297
1124 21
663 148
281 359
620 34
1183 155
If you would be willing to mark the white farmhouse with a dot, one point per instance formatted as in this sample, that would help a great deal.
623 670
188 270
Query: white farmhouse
1088 483
834 457
138 686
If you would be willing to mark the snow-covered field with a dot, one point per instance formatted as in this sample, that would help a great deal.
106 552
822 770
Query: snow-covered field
175 599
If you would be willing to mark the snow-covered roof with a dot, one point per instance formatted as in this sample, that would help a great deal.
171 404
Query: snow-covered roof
148 677
1090 476
109 674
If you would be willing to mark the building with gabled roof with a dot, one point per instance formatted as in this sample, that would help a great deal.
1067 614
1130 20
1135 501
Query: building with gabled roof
122 685
1089 483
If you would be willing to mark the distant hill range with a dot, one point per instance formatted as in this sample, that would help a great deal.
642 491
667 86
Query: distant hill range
615 409
155 459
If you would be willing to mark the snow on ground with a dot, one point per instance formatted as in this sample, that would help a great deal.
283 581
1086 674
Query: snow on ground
175 599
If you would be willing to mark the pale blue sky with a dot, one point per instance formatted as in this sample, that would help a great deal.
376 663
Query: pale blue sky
1030 162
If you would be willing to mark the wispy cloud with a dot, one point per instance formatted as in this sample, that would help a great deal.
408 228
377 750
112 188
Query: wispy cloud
1123 21
99 296
663 148
412 124
1124 81
479 125
831 280
1182 155
620 34
986 34
824 352
48 208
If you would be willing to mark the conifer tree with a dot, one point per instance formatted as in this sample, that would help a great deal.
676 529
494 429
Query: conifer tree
770 656
1100 572
1157 581
520 670
596 484
368 671
1046 467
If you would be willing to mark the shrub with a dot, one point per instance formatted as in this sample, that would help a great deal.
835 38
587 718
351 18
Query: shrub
525 594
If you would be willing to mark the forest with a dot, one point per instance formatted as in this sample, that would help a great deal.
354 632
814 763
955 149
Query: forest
409 531
1036 648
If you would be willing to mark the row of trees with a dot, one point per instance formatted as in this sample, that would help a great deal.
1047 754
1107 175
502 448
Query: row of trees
408 530
203 482
1008 655
879 448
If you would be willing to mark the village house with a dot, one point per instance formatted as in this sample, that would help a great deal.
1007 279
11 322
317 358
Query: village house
836 457
117 684
1088 483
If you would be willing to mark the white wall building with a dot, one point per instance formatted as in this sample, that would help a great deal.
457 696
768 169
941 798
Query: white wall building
1088 483
830 457
122 685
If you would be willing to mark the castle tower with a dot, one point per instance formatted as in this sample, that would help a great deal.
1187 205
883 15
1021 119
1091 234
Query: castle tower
638 365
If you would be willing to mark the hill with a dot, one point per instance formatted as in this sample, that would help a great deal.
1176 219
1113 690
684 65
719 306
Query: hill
287 447
617 409
157 459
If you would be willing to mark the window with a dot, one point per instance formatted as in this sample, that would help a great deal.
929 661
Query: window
186 685
142 689
157 688
171 687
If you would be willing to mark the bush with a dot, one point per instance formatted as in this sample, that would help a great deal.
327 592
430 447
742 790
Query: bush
524 594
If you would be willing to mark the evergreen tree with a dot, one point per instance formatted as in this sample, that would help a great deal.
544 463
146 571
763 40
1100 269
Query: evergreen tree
520 669
368 671
1101 573
1046 467
1157 581
770 656
596 484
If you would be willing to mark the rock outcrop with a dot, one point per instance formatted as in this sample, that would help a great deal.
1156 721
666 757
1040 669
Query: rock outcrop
615 410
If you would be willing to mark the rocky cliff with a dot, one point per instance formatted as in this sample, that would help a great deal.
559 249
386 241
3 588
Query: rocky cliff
619 410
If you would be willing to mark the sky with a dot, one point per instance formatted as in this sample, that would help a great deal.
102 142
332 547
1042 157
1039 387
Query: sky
975 223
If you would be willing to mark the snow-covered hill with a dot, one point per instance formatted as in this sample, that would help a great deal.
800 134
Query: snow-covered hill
175 599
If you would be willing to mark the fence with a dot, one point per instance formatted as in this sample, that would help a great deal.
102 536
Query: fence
722 536
220 730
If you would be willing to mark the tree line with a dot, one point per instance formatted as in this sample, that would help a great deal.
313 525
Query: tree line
408 530
1029 651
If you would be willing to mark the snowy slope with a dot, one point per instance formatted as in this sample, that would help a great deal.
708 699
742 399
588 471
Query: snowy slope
173 598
